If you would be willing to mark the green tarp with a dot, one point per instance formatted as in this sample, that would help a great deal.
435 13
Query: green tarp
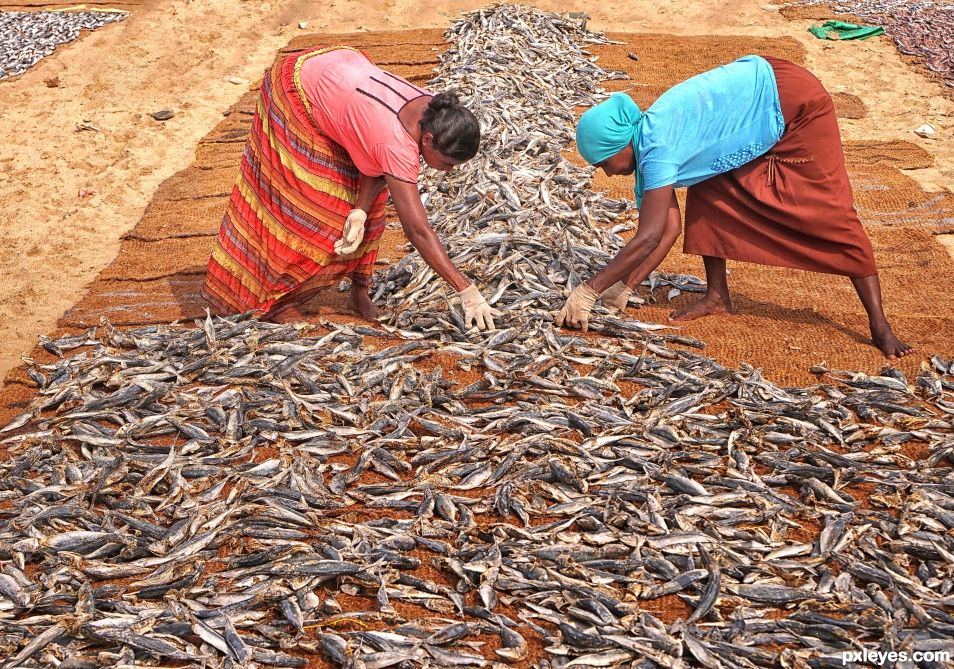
835 30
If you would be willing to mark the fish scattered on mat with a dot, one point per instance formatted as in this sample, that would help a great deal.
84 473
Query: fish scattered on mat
250 494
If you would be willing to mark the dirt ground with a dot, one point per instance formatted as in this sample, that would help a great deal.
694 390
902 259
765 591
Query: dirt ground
180 54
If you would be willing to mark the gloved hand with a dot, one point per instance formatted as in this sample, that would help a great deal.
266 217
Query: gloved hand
576 312
476 309
616 297
352 234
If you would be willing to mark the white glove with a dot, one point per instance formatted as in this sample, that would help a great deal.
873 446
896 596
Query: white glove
352 234
476 309
616 297
576 312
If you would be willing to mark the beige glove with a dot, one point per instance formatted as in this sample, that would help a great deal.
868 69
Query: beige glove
576 312
616 297
476 309
352 234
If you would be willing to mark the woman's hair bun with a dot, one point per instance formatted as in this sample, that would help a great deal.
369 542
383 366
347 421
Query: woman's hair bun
444 100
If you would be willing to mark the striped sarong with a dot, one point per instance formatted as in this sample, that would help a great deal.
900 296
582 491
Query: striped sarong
296 187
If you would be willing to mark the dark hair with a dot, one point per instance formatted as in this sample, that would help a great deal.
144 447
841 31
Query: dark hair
454 127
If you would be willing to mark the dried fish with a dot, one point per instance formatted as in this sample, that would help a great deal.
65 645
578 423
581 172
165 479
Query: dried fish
242 493
923 28
28 37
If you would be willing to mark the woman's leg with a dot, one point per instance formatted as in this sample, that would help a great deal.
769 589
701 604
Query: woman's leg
717 299
285 311
869 290
288 308
360 301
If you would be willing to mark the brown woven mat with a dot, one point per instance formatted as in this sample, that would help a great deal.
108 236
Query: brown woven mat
169 219
849 106
395 43
888 197
143 302
815 13
900 154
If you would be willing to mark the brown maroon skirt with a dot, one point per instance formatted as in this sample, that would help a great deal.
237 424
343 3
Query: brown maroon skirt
792 207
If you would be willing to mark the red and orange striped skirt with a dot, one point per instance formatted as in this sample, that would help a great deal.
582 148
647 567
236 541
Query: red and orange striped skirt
294 192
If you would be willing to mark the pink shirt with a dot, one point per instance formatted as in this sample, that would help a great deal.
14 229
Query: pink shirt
356 104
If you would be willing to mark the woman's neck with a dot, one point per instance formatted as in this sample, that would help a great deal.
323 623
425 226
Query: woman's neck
411 114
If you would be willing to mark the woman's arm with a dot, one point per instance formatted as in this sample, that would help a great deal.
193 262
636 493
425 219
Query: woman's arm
653 216
368 190
652 224
670 235
407 202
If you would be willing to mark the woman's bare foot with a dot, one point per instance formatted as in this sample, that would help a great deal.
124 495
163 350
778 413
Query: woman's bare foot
290 314
360 303
712 303
892 347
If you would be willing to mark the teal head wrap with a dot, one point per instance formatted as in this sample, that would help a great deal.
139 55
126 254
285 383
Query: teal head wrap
606 129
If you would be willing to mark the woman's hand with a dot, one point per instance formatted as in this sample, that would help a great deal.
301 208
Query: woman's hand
576 312
476 310
353 233
616 297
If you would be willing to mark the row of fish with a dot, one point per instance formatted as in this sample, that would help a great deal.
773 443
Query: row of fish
28 37
520 219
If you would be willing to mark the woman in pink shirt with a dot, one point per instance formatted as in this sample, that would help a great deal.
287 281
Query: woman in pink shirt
332 137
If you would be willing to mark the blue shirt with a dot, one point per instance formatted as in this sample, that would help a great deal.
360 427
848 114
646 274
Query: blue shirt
708 125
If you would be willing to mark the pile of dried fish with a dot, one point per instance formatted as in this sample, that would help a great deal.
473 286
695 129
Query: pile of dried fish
240 493
519 219
922 28
28 37
251 494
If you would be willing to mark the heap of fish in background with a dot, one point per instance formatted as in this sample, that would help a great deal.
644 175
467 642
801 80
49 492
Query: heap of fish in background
923 28
28 37
519 219
251 494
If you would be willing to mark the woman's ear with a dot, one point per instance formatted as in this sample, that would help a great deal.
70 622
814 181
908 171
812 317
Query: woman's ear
427 138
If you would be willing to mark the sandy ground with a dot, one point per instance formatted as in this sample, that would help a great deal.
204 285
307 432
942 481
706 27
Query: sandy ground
179 54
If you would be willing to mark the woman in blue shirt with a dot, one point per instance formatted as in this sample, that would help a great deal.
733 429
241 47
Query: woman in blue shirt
757 144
